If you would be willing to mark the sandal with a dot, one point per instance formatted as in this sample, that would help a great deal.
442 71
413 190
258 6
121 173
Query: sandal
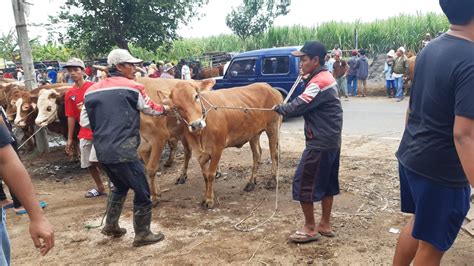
327 234
42 205
303 237
93 193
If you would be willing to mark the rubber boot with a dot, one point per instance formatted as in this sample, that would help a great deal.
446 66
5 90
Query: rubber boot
112 227
141 224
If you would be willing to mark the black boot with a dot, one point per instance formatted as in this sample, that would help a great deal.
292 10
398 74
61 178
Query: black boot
112 227
141 224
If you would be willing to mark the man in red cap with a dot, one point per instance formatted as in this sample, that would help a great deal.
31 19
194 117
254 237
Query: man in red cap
316 178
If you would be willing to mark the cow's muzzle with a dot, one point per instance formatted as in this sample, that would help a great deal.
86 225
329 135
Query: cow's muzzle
197 125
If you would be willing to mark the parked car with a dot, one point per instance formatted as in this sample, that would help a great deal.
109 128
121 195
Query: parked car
275 66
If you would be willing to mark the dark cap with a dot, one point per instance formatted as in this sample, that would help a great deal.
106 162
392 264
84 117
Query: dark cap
312 49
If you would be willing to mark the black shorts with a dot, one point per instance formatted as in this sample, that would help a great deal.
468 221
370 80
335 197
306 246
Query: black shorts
317 175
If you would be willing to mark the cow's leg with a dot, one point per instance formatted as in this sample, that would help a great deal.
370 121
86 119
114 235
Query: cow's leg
256 154
210 177
152 168
173 143
144 151
187 156
274 146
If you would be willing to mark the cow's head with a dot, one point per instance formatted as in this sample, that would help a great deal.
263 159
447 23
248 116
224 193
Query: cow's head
25 108
47 107
189 104
11 99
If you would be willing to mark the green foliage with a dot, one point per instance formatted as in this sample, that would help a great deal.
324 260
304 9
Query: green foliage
9 49
255 16
95 26
379 36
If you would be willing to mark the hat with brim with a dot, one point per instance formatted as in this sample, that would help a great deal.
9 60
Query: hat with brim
49 68
167 67
75 62
311 48
121 56
391 53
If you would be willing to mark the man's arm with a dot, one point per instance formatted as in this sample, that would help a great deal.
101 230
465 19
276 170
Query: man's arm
464 141
148 106
309 99
15 176
71 126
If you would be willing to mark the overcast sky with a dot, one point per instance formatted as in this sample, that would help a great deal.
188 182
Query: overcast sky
303 12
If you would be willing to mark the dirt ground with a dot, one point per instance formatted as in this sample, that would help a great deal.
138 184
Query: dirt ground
364 212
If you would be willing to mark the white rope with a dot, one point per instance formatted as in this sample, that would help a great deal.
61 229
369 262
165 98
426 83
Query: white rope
238 226
36 132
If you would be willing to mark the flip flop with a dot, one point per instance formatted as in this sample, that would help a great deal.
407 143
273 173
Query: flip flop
42 205
93 193
303 237
327 234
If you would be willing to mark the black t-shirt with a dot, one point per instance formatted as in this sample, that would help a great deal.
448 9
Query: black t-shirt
443 87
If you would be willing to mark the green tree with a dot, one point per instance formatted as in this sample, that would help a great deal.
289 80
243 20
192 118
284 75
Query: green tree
95 26
9 49
253 17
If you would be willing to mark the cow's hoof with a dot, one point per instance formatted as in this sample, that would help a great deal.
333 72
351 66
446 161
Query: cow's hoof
218 174
181 180
270 184
249 187
207 204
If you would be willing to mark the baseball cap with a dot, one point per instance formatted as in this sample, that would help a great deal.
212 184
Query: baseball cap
75 62
119 56
311 48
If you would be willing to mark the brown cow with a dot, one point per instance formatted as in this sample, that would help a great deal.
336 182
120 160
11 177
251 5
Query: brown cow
212 130
49 106
156 131
211 72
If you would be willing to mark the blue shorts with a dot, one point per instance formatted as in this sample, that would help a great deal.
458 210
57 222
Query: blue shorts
4 242
317 175
439 210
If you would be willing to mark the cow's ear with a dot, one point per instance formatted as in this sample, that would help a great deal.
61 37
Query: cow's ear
162 95
207 84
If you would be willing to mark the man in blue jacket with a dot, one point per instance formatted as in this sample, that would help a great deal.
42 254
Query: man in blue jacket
362 67
112 111
316 178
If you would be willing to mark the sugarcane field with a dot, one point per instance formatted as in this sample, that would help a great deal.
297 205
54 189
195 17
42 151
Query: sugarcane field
237 132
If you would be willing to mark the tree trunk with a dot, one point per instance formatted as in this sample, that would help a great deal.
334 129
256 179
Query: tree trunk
121 42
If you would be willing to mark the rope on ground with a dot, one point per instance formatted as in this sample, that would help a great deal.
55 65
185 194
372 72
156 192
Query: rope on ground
90 226
238 226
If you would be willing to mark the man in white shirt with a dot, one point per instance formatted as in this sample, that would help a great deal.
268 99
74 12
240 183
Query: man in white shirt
185 71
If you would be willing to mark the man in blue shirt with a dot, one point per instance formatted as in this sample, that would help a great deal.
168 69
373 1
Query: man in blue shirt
52 75
436 151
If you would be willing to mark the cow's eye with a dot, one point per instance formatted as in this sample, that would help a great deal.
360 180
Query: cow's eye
196 97
49 108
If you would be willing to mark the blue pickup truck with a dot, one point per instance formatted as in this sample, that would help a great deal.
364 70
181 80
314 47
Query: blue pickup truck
275 66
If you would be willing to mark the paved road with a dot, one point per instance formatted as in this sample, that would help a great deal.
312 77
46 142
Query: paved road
374 117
